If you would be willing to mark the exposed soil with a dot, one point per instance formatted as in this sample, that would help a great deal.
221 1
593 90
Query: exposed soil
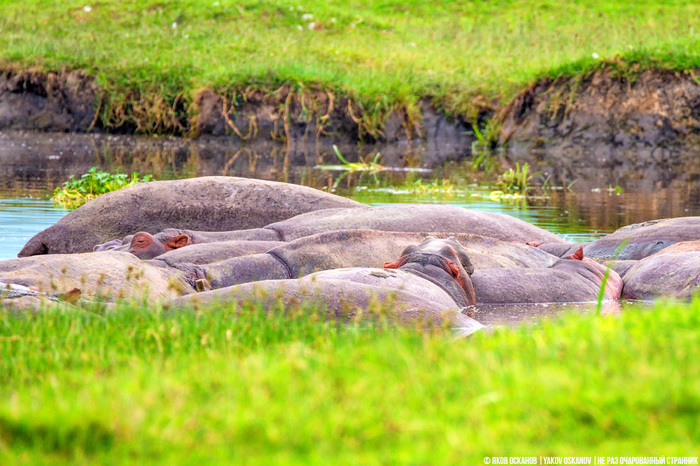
647 128
62 101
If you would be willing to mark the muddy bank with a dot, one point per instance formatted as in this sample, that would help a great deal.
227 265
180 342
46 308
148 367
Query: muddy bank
298 120
643 132
64 101
599 129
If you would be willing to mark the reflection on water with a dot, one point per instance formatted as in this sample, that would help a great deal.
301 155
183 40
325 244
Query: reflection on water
35 163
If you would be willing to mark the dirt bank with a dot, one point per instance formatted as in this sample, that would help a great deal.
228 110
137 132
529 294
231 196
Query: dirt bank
645 129
72 101
63 101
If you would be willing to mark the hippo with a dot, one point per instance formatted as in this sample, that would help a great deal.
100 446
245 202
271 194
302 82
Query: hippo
674 271
212 203
576 279
20 297
105 275
112 245
208 253
398 217
348 248
146 246
640 240
428 284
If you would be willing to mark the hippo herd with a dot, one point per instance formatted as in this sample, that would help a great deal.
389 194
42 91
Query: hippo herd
234 239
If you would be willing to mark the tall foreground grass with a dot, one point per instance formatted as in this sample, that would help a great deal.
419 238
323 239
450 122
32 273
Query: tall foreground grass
139 386
383 53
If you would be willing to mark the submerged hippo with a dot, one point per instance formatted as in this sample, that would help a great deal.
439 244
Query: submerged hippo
147 246
429 284
400 217
634 242
573 280
340 249
105 275
672 272
216 203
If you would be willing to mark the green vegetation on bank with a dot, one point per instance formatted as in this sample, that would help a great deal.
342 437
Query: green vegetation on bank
225 386
76 192
383 54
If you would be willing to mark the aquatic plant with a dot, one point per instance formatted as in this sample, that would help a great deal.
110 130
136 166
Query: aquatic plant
94 183
484 156
438 186
516 181
363 165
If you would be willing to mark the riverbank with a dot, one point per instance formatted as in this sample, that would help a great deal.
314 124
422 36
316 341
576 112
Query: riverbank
385 72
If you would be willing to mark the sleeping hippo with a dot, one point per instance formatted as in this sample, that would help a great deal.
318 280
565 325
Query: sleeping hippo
576 279
429 285
640 240
339 249
216 203
672 272
399 217
146 246
104 275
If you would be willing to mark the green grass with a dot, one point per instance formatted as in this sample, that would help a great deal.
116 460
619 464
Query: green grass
383 53
238 386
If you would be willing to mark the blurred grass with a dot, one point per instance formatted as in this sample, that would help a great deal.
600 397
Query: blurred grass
241 386
383 53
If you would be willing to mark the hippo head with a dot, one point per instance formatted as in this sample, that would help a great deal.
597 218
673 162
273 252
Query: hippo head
146 246
444 262
108 246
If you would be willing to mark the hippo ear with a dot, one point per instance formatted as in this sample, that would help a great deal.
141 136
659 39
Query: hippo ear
392 265
465 260
179 241
454 269
578 255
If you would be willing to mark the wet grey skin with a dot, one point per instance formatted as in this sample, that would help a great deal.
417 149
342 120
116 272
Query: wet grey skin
212 203
429 286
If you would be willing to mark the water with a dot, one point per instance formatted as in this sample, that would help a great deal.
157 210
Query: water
20 219
31 165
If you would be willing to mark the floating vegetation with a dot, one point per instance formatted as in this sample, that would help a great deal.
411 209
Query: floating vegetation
370 166
362 166
94 183
516 181
437 186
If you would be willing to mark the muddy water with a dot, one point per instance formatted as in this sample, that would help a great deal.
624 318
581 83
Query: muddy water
32 164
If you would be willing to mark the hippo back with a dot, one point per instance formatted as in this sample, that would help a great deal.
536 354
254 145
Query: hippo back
413 218
644 239
214 203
